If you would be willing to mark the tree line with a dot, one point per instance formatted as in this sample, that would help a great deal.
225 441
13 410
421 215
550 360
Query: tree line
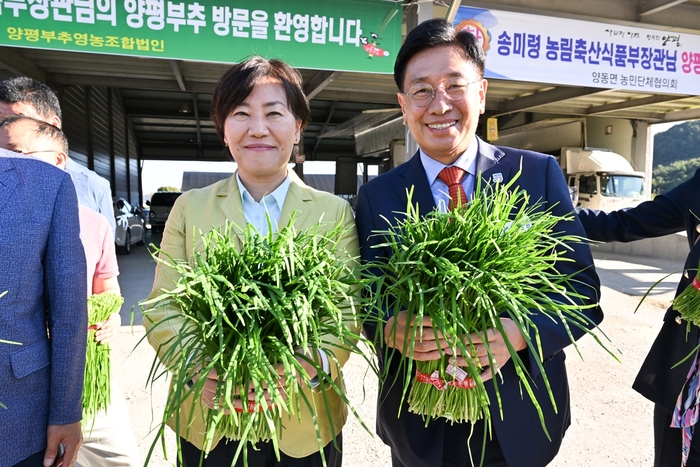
676 156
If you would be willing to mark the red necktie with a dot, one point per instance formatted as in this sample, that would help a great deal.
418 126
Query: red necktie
452 176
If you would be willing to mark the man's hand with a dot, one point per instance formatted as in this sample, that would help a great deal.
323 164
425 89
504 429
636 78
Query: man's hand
398 333
70 436
107 330
498 347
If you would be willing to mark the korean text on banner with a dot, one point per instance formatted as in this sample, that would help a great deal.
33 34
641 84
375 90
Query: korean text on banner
551 50
343 35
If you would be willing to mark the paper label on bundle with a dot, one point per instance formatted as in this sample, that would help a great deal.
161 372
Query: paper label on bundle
526 225
436 380
458 373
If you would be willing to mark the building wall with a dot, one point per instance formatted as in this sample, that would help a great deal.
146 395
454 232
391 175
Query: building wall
621 140
73 106
120 166
134 165
100 138
99 127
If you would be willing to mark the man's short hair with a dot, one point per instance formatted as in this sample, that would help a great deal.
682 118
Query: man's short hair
437 33
43 129
32 92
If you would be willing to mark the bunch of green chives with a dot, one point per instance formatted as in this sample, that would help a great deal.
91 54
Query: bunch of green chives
96 389
687 303
250 307
466 269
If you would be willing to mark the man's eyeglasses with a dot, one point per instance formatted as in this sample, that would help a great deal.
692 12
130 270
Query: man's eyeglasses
454 89
29 153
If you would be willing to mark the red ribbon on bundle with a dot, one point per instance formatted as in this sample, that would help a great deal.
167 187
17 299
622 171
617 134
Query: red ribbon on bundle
253 407
440 384
696 283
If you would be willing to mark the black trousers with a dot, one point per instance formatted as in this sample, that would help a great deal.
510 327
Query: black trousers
457 445
668 442
35 460
222 456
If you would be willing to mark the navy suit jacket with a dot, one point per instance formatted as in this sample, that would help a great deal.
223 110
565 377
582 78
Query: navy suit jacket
520 434
42 269
669 213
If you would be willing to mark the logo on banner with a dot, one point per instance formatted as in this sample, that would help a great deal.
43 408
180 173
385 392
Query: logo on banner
371 47
475 27
371 44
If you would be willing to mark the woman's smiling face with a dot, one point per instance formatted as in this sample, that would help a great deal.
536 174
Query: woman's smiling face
261 132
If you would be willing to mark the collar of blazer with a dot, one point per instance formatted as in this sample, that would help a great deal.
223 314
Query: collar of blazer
488 164
296 201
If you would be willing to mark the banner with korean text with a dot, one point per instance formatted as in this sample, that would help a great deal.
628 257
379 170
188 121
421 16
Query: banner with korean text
343 35
551 50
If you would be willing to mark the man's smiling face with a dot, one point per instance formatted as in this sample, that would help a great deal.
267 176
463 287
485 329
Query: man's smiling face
444 129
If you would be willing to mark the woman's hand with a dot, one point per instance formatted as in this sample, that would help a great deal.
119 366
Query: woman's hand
240 401
107 330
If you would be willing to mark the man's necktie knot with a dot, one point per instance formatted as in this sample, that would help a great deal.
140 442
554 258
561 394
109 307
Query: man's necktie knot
452 176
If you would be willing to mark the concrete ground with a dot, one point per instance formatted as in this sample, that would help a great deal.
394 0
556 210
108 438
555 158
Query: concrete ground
611 426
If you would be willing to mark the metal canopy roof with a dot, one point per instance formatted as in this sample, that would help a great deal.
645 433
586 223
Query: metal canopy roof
167 101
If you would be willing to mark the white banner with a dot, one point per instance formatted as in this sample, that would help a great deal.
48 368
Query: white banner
545 49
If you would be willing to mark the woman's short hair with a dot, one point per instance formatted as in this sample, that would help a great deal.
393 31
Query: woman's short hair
240 80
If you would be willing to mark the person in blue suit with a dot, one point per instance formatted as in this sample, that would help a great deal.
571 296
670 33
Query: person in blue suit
43 309
442 93
666 376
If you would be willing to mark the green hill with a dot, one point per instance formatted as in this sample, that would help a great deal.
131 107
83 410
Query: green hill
665 177
676 155
680 142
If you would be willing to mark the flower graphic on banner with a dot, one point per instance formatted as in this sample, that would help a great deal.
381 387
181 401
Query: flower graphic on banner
478 29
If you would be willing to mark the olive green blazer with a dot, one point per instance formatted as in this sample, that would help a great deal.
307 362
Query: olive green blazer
194 214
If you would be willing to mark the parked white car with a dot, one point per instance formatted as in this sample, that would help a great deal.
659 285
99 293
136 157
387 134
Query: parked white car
131 228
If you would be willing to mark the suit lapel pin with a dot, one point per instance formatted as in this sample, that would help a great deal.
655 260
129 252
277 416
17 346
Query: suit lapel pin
497 177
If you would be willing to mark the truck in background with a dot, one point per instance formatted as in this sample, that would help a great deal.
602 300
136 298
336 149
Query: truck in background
601 178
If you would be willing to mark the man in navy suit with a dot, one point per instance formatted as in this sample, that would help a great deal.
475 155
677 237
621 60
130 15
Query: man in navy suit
442 94
42 271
